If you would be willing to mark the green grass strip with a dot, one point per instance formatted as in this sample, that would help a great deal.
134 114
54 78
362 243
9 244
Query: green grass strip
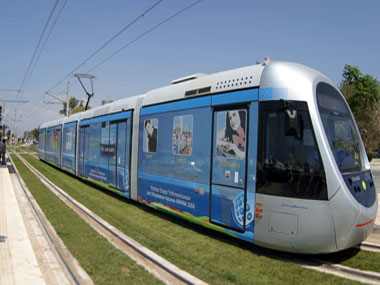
356 258
104 263
208 255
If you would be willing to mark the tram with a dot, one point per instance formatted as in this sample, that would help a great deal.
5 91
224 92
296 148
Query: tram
268 153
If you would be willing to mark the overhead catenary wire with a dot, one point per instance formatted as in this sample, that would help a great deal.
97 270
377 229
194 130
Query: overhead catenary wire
92 55
140 36
9 90
116 52
45 41
34 107
23 83
144 34
105 44
43 46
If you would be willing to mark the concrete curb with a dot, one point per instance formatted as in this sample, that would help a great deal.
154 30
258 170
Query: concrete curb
56 243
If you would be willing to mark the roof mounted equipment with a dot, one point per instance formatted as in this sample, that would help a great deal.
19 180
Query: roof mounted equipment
187 78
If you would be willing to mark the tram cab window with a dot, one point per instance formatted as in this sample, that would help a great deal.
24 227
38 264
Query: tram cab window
340 129
288 165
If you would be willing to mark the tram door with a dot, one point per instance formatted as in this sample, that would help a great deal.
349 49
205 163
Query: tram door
228 207
57 146
83 149
117 160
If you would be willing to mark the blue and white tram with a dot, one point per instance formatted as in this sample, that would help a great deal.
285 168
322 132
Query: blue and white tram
268 153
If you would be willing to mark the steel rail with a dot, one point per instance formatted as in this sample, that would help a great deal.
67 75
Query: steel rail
71 273
369 246
369 277
320 265
165 271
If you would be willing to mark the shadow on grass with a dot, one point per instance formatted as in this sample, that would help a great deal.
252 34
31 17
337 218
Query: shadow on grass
337 257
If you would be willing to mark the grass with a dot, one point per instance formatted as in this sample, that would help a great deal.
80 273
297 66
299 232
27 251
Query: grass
104 263
212 257
19 148
355 258
31 148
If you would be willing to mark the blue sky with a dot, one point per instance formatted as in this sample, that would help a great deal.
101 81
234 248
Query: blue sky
212 36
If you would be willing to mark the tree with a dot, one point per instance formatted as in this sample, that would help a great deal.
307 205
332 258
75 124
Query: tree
363 95
8 136
34 134
25 136
31 135
3 131
80 108
73 103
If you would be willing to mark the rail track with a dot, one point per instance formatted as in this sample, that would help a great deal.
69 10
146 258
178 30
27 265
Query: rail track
171 274
363 276
368 246
74 273
156 265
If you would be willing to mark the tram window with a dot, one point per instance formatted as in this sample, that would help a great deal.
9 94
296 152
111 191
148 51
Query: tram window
288 166
231 130
182 140
69 140
340 129
121 143
151 133
94 143
49 141
68 144
185 160
105 147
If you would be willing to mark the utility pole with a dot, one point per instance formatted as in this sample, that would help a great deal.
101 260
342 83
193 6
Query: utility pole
15 126
60 100
2 110
67 98
1 123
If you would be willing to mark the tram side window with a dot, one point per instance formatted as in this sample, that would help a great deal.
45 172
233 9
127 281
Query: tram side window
69 140
86 143
105 147
150 135
57 141
49 141
81 142
231 131
180 144
289 165
182 141
94 143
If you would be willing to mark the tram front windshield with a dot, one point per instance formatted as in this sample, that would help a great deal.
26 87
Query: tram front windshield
288 163
340 129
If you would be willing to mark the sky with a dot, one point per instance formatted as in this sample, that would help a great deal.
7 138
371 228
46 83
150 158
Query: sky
209 37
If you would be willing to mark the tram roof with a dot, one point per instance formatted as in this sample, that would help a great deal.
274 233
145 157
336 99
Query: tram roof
201 84
125 104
